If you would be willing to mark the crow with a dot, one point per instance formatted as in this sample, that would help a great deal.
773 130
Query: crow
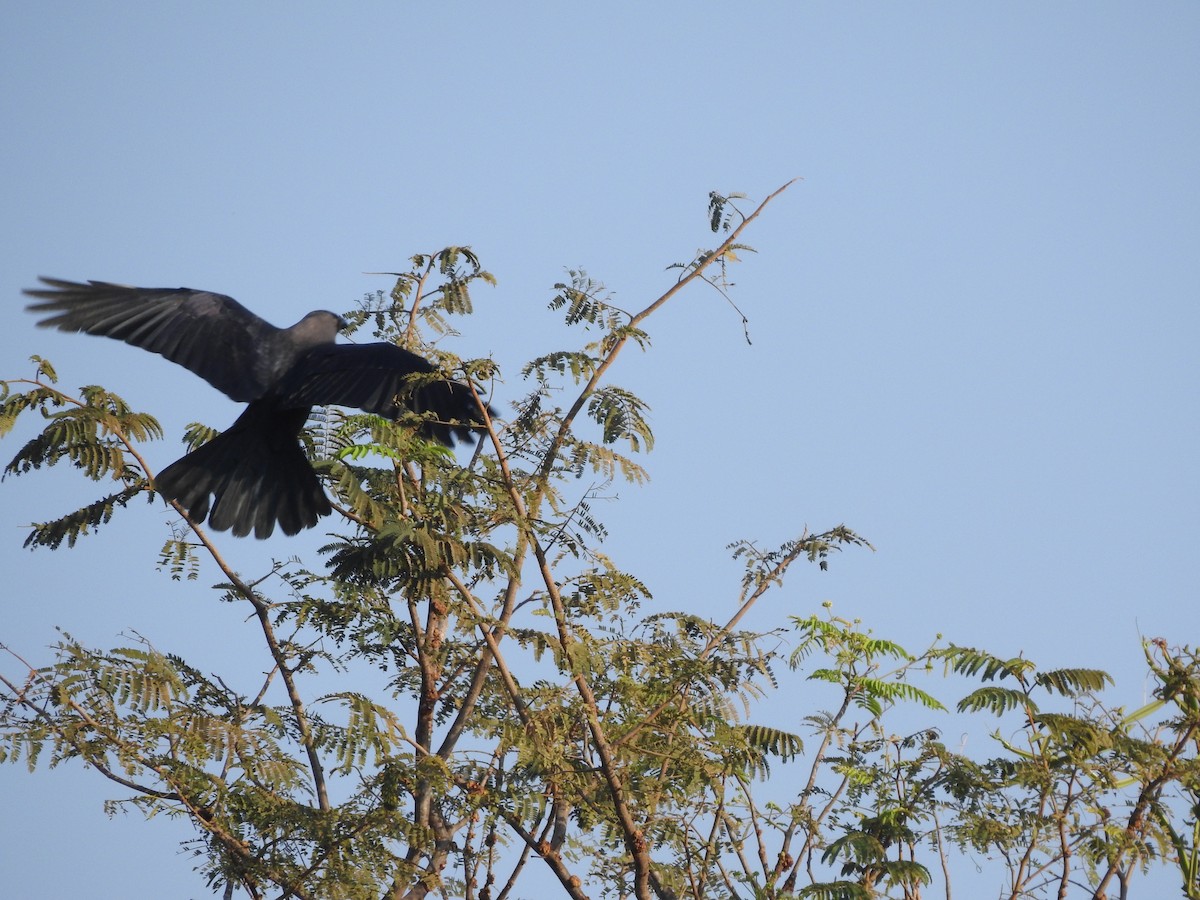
255 474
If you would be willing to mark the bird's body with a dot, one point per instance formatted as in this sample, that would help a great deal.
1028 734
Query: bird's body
255 474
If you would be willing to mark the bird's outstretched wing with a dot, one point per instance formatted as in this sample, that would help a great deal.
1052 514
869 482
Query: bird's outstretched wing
210 334
375 378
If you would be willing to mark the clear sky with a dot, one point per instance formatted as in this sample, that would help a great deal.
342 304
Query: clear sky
974 321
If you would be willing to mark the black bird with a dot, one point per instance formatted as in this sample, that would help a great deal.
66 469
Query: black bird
255 475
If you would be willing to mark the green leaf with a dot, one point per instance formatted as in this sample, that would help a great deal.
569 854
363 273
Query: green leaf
996 700
971 662
622 416
1073 682
834 890
74 525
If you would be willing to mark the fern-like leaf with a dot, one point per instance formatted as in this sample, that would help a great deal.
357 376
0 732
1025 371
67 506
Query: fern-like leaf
1073 682
587 302
773 741
75 525
895 691
972 663
834 890
995 700
622 416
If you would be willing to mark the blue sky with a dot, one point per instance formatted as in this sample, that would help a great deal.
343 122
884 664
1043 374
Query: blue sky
974 320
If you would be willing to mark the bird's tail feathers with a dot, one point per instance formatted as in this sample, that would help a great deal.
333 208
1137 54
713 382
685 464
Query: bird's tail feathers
251 477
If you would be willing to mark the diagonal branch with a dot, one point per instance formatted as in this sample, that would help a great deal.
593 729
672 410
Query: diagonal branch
262 613
610 357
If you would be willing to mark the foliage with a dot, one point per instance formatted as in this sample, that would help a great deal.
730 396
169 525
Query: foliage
470 689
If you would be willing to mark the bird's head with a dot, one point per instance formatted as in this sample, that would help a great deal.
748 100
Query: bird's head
318 327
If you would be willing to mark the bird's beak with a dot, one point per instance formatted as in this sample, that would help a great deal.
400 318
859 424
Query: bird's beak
342 324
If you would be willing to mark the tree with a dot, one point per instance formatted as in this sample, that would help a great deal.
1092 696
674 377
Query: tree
537 712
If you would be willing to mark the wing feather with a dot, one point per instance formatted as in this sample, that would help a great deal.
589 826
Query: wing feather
375 378
210 334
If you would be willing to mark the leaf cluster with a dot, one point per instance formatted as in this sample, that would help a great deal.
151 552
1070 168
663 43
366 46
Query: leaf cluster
95 432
